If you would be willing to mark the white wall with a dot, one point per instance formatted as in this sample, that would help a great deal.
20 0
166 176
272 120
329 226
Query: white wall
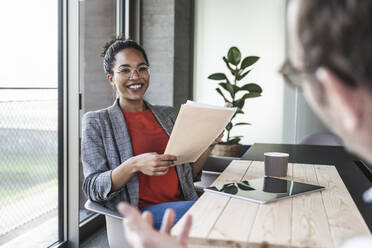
256 27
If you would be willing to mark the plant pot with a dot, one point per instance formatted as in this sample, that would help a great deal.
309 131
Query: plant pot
227 150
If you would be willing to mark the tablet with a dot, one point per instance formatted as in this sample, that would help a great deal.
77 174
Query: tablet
264 190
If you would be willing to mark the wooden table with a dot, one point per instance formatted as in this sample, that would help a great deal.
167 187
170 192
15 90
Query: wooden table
319 219
356 179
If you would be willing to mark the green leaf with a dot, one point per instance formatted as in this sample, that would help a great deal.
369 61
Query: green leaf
236 88
252 87
252 95
228 82
233 72
248 61
229 126
240 103
217 76
232 89
242 123
239 111
234 56
220 92
228 87
241 76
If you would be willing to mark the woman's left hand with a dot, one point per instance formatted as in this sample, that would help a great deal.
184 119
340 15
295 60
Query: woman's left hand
199 163
218 140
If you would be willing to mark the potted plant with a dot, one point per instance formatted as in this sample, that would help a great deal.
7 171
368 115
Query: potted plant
234 93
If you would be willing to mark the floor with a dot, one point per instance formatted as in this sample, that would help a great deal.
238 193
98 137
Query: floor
97 240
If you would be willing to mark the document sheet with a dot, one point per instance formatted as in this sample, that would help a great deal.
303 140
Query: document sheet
196 128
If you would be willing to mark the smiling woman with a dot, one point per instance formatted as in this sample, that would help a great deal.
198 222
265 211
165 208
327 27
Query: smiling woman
123 145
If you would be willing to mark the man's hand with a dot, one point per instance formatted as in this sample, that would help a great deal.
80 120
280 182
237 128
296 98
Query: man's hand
141 234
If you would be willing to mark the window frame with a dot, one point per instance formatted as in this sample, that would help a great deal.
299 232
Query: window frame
71 116
60 125
71 231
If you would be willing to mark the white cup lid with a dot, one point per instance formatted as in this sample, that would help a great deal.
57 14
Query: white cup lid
276 154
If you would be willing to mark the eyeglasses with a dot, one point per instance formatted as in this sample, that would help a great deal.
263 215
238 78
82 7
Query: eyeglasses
127 72
293 76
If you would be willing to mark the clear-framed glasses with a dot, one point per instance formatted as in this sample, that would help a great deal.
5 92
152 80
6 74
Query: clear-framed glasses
295 77
128 72
291 75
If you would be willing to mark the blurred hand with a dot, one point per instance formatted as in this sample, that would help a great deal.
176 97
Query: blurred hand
153 164
141 234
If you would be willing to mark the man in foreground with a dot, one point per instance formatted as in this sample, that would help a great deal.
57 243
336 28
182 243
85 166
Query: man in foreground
330 57
140 232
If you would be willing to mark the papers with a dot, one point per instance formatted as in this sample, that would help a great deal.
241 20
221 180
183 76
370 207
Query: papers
196 128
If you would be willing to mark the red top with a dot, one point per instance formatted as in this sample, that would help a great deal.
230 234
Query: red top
147 135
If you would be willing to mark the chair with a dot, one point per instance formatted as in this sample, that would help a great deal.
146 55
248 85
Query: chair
114 227
322 139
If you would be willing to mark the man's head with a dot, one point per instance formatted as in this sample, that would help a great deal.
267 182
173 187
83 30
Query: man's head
331 47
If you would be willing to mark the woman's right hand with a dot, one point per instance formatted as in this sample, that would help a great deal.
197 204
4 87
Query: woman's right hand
153 164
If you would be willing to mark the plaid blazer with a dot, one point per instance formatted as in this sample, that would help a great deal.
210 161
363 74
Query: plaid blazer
106 144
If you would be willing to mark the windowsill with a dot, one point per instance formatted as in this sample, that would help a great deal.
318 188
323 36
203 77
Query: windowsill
41 236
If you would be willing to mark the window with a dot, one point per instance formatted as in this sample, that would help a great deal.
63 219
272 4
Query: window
29 128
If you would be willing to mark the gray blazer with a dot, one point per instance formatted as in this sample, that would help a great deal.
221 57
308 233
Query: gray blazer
106 144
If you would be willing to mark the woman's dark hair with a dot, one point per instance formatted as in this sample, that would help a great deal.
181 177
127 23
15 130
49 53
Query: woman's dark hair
115 45
337 34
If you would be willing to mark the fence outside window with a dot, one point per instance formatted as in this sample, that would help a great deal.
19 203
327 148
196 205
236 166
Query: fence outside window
28 162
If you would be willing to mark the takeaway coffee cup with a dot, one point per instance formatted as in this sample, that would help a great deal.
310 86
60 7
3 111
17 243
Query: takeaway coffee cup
276 164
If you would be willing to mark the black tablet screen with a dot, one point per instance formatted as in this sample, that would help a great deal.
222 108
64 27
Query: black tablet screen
263 190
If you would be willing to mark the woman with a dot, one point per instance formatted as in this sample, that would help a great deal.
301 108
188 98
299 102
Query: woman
123 145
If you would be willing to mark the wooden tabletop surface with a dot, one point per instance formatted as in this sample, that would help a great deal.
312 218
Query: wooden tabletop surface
319 219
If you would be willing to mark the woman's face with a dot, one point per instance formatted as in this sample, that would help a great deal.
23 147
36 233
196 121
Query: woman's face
130 75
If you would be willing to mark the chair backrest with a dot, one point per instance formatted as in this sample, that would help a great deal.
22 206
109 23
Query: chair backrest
211 170
97 208
324 139
115 231
218 163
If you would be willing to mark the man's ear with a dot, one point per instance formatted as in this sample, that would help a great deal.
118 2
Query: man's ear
342 98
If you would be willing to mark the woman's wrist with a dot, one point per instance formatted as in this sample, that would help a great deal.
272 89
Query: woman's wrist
131 165
209 149
213 145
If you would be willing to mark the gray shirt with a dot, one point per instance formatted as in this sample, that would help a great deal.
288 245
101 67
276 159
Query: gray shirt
106 144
